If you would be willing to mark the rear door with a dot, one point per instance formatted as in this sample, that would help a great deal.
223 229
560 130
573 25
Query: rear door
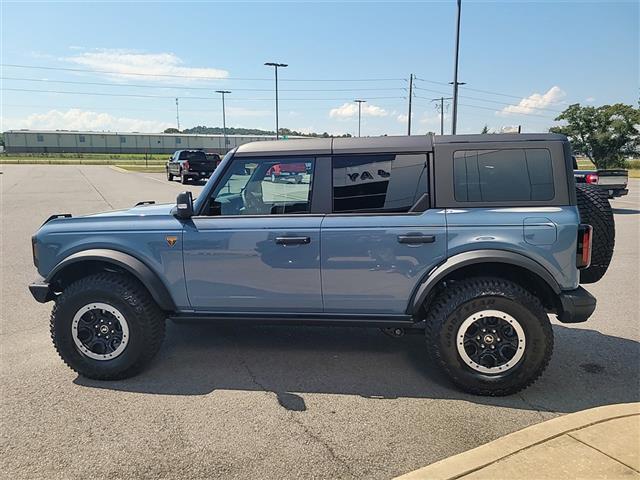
374 249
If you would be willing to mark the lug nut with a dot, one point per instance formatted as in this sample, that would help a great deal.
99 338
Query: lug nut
482 346
477 338
492 346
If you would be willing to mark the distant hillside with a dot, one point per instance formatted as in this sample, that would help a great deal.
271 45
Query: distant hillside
202 130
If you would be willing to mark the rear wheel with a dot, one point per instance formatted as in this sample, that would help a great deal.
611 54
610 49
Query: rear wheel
106 326
489 335
169 176
595 210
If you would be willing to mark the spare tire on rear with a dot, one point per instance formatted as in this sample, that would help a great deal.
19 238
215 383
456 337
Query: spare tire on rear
595 210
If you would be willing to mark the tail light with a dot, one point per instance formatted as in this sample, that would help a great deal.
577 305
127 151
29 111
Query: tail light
585 240
591 178
185 165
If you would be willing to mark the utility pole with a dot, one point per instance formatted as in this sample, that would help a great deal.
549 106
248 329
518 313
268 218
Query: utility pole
441 100
359 102
454 119
224 120
410 97
275 68
177 114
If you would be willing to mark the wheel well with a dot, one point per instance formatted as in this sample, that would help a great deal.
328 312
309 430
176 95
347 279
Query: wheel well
77 270
520 275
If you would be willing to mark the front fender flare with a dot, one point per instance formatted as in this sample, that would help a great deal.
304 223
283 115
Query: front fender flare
477 256
127 262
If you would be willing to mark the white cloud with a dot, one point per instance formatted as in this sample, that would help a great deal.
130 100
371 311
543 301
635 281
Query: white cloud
350 109
590 99
76 119
403 118
126 62
533 102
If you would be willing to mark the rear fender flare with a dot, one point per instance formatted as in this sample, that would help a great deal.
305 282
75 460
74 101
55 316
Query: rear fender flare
126 262
470 258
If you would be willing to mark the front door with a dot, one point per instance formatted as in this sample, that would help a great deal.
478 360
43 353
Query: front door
256 246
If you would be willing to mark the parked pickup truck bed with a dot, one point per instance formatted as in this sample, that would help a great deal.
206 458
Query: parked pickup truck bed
191 165
613 181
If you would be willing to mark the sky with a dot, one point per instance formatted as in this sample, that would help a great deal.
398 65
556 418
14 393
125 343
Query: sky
119 66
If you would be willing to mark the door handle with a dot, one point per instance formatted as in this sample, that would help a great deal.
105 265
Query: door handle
293 240
416 238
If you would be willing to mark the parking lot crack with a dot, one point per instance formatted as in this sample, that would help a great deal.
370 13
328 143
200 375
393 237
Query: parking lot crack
537 408
95 188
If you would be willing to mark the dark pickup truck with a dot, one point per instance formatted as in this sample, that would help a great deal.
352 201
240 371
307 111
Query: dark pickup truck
613 181
191 165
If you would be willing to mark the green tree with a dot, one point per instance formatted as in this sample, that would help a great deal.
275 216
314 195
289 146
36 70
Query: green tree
604 134
485 129
172 130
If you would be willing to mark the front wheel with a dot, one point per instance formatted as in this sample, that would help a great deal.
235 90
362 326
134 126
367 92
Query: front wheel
106 326
489 335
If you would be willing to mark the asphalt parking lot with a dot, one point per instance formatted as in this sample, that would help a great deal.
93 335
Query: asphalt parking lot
269 402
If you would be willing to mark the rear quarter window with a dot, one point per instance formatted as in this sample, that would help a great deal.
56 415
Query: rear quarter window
509 175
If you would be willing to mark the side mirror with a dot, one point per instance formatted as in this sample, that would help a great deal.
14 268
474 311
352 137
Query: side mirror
184 205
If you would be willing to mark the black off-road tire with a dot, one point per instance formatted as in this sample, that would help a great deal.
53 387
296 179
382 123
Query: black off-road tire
146 324
462 299
595 210
169 176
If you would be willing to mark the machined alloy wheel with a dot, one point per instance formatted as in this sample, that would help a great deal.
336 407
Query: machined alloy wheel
491 341
490 335
106 326
100 331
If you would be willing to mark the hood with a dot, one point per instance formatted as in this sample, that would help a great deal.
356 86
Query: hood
141 210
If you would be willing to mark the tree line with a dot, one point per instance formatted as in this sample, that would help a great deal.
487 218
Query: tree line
284 132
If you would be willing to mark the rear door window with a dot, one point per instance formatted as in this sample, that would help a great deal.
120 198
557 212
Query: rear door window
384 183
509 175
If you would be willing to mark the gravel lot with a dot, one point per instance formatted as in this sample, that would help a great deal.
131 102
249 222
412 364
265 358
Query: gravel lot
269 402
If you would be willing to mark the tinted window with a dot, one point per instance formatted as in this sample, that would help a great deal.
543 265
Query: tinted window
269 186
378 183
197 155
503 175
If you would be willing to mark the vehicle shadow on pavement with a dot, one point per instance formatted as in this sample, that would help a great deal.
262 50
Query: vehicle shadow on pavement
587 369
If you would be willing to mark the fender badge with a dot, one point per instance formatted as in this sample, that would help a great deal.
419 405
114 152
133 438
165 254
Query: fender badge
171 240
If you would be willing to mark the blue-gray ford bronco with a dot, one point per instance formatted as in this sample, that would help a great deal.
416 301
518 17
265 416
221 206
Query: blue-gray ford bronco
472 240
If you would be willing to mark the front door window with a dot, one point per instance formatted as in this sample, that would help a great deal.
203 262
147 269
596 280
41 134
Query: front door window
265 186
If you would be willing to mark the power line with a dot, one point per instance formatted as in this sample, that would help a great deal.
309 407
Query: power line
139 95
493 109
200 77
179 87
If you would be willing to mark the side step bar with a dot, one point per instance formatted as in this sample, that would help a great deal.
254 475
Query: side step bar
318 319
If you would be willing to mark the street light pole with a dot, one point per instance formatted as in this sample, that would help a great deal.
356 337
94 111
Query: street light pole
454 119
275 68
177 114
410 98
359 102
224 120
